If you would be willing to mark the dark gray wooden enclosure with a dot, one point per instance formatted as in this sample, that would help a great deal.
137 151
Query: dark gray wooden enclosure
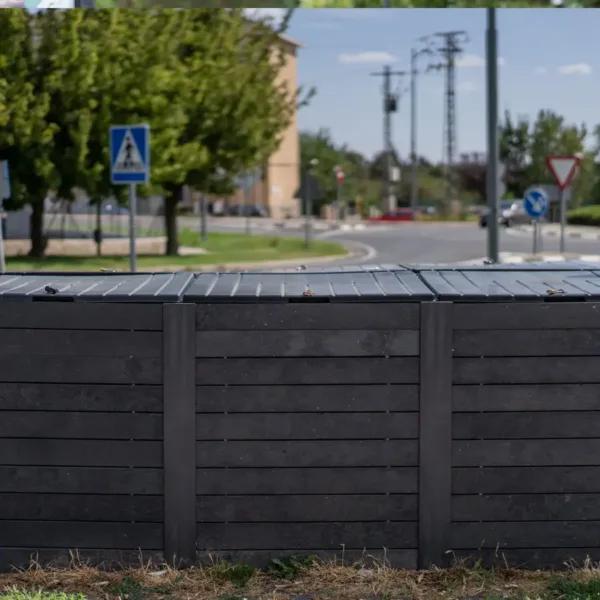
401 414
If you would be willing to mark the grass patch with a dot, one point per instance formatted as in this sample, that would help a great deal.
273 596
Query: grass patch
576 589
15 594
222 248
301 578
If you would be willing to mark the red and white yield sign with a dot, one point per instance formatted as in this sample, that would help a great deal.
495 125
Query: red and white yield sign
563 168
339 174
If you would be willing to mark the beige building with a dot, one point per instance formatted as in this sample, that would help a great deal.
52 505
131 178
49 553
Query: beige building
281 176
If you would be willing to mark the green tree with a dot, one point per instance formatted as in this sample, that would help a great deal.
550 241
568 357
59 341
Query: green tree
235 106
26 137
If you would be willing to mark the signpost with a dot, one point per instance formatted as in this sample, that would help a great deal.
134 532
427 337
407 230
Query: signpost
130 164
4 194
563 169
536 205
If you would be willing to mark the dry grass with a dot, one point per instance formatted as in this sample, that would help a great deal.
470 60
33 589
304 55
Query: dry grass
321 580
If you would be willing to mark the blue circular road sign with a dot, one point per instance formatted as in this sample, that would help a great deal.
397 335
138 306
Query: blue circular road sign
535 203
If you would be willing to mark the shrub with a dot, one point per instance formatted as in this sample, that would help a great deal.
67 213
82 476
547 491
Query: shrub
586 215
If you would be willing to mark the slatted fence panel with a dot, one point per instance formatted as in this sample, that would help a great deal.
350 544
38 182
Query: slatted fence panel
80 432
307 431
526 433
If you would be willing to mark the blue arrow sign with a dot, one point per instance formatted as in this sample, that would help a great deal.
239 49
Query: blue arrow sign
535 202
130 154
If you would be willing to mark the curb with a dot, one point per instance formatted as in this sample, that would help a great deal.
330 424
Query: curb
552 233
506 257
361 253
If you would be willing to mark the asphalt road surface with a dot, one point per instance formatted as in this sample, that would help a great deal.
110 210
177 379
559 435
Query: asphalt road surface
447 242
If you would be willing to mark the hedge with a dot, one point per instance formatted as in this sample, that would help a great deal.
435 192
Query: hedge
586 215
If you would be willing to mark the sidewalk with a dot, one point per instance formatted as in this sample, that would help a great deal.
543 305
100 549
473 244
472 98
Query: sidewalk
524 257
581 232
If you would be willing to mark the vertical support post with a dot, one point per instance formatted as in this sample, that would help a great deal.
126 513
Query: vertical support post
179 428
435 434
132 211
563 220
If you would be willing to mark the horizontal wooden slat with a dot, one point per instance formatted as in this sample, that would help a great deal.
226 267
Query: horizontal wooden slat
301 536
105 344
522 534
355 453
307 343
523 453
80 507
401 480
526 480
77 369
397 559
80 453
81 315
540 397
298 509
534 315
526 342
523 425
80 425
80 397
80 480
22 558
311 426
265 371
527 507
559 559
308 398
560 369
243 317
65 534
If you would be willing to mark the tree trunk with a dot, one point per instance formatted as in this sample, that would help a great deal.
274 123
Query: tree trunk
171 201
98 231
36 230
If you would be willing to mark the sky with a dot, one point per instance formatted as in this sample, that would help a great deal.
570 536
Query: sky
549 59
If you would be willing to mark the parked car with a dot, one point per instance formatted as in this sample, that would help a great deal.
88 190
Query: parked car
248 210
400 214
511 212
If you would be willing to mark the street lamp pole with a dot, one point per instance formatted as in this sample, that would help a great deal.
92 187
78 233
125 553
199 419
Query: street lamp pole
492 135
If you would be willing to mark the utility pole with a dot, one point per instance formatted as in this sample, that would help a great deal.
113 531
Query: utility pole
492 135
390 105
451 48
414 176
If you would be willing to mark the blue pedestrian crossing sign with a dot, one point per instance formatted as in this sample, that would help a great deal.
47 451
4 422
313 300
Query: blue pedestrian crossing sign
535 202
130 154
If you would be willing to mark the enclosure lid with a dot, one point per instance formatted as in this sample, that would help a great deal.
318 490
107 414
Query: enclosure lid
470 285
571 265
94 287
341 269
364 286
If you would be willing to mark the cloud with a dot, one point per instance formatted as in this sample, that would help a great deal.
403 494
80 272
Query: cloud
275 14
367 57
541 70
575 69
470 61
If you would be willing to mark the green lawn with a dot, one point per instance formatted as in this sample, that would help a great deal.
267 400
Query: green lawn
222 248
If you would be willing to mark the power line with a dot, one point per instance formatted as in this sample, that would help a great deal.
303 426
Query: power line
390 105
449 50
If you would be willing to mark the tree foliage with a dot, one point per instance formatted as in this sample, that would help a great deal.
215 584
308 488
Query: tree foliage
207 82
524 145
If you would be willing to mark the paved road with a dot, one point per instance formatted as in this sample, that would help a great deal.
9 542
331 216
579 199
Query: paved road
452 242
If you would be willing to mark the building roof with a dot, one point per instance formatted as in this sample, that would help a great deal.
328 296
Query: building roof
289 40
